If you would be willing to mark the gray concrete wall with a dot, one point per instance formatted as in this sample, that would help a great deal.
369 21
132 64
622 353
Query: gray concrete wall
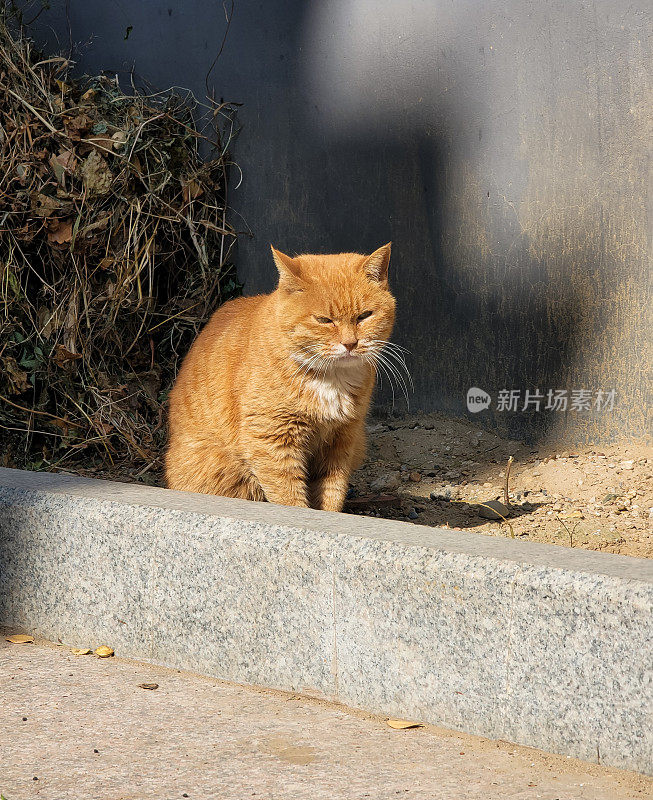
501 145
535 644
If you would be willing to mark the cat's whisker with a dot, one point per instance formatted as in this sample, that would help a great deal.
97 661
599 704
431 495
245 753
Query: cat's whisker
393 369
314 364
401 363
308 365
388 350
388 343
385 372
369 359
305 364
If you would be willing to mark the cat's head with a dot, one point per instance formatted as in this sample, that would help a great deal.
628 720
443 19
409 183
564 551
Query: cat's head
335 310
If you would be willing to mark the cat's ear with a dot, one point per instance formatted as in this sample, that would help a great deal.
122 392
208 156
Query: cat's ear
289 270
376 265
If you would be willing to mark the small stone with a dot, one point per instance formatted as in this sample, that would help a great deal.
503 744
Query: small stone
415 477
492 509
412 514
386 482
627 465
572 515
442 494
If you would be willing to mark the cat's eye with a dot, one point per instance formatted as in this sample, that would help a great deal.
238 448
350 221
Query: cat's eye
323 320
364 315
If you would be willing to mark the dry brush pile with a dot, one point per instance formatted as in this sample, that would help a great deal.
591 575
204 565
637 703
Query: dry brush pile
114 249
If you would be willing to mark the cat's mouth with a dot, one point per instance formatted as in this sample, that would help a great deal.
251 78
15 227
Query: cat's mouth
347 358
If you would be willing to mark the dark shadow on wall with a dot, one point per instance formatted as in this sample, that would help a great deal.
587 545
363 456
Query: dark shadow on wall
506 276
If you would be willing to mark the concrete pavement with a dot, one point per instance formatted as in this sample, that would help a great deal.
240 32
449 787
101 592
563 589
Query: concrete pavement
75 727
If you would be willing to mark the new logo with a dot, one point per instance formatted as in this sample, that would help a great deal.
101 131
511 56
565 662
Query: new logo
477 400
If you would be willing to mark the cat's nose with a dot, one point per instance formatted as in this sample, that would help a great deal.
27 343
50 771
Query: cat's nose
351 345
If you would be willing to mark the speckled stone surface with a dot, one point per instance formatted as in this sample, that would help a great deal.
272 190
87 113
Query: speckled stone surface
535 644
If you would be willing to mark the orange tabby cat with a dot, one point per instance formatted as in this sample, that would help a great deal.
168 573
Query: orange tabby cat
270 402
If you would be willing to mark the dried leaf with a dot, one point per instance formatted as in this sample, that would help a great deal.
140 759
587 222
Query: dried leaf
103 651
81 651
47 321
17 377
76 126
20 638
62 163
402 724
61 234
64 87
191 190
119 138
62 355
44 205
96 174
150 686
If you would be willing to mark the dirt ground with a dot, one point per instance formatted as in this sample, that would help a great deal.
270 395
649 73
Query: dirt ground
433 470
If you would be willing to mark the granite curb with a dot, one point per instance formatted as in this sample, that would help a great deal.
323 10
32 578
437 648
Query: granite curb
539 645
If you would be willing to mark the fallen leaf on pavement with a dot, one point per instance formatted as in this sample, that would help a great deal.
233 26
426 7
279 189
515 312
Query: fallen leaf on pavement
103 651
148 686
20 638
81 651
402 724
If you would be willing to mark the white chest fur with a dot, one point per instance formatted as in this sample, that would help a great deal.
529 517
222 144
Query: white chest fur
333 393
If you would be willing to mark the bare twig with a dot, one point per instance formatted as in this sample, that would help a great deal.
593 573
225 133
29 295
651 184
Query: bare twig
506 493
